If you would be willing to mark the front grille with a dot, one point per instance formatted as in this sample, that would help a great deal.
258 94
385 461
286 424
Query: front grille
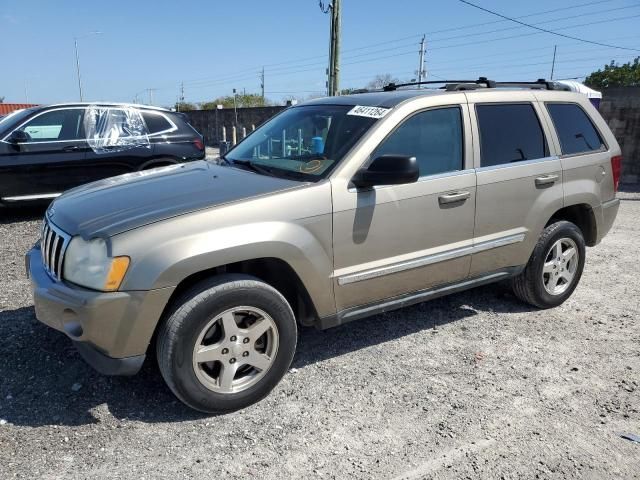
53 244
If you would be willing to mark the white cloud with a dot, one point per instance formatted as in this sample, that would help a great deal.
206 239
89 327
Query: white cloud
10 18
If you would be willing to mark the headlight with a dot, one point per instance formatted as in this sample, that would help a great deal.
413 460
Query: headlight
87 264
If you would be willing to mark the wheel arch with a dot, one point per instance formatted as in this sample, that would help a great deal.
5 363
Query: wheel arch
273 271
583 216
158 162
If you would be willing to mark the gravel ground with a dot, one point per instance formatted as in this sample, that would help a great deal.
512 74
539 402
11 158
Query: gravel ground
473 385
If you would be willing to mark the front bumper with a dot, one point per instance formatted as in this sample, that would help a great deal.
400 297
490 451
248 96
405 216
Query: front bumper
112 330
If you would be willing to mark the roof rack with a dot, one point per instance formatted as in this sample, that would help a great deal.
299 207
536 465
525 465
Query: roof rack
482 82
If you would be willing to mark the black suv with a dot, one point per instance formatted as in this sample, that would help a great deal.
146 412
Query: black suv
46 150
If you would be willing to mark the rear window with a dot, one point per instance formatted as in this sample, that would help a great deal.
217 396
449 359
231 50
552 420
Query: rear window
156 122
575 129
509 133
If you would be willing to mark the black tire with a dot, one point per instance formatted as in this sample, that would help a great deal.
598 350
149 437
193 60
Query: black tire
529 287
189 316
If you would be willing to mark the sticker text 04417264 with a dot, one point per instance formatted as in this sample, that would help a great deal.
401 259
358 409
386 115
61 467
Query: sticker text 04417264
366 111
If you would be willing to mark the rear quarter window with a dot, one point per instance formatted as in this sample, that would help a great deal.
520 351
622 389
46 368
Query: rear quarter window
156 123
575 130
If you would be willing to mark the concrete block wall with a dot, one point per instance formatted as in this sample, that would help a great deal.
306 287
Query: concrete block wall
620 107
210 122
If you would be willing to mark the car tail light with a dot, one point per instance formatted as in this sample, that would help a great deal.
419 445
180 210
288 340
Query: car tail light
198 143
616 170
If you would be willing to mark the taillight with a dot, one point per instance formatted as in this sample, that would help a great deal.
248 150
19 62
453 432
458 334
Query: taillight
198 144
616 170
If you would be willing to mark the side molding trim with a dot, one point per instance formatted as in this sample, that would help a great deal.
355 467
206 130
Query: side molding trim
430 259
405 300
43 196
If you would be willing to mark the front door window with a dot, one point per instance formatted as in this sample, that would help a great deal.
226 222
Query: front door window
55 125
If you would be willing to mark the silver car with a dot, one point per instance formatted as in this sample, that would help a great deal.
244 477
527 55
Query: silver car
334 210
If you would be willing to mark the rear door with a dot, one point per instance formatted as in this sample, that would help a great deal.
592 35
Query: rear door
519 179
119 141
45 165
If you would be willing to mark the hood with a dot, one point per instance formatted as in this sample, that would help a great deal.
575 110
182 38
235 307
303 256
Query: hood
118 204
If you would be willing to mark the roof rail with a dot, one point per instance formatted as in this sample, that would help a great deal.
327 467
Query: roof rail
482 82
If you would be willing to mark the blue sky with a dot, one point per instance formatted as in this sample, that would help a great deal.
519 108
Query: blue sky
215 46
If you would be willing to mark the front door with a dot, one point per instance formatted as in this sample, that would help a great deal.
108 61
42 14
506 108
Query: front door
393 240
44 165
519 182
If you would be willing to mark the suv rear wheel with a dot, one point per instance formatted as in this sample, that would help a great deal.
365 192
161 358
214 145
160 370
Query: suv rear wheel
555 267
227 342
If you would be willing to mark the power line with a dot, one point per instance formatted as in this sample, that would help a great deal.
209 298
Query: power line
544 29
473 25
239 76
293 68
571 17
245 72
476 42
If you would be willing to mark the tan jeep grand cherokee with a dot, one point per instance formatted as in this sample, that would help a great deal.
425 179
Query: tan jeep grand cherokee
335 209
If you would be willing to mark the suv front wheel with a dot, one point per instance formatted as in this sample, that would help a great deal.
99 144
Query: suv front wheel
555 267
227 343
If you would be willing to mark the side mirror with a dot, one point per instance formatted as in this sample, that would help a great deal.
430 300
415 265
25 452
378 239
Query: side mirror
18 136
388 170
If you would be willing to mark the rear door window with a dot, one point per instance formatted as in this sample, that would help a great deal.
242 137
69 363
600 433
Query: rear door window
575 130
509 133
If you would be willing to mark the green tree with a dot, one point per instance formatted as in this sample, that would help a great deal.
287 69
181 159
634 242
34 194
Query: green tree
614 75
185 106
1 99
243 100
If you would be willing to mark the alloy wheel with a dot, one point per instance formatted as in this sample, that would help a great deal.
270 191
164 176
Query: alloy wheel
560 266
235 349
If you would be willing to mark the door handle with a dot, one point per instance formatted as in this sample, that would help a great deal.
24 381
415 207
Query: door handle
71 148
453 197
547 180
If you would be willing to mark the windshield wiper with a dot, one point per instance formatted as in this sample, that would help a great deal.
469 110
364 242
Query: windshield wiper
225 159
255 167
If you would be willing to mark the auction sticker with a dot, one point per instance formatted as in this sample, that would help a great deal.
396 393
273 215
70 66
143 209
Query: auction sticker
370 112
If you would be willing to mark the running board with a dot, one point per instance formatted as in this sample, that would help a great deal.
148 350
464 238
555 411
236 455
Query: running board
405 300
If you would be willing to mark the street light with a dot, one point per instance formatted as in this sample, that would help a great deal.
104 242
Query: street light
75 42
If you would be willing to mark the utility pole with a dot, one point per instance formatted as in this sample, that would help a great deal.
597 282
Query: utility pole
262 84
421 65
333 72
26 95
335 47
181 98
151 90
235 107
553 64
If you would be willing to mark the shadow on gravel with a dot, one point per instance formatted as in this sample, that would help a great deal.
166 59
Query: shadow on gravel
21 214
43 380
315 345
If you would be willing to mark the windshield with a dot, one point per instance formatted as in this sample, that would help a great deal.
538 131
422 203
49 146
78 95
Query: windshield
304 142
